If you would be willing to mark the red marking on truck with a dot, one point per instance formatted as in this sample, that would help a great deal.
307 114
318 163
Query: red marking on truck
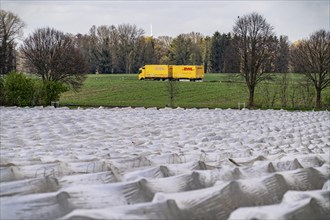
188 68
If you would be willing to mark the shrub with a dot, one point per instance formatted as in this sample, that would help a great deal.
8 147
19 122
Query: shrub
52 91
21 90
39 92
18 89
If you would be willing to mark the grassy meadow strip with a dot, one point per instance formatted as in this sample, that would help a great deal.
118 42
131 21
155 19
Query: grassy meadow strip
217 91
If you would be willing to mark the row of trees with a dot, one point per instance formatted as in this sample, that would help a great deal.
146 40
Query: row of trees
251 49
124 49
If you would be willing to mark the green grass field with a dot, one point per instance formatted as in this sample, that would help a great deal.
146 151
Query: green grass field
217 91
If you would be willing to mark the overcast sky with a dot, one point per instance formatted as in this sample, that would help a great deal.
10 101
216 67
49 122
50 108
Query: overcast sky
296 19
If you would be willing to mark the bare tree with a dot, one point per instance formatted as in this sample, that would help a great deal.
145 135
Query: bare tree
172 91
284 85
196 56
163 45
100 48
53 56
181 50
254 38
104 48
11 28
165 41
147 50
128 41
312 57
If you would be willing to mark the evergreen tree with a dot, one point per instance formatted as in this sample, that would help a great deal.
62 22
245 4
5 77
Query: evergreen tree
215 53
283 55
231 56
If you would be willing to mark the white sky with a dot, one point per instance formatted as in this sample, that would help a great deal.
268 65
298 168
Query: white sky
296 19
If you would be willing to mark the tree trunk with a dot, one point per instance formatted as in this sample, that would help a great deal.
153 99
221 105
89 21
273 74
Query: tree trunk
3 56
251 97
318 98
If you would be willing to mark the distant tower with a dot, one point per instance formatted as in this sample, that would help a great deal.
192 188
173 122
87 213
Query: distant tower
150 30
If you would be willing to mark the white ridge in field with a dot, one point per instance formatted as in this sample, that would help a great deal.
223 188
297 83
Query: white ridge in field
148 163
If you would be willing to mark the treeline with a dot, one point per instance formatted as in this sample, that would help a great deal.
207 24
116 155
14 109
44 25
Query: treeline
123 49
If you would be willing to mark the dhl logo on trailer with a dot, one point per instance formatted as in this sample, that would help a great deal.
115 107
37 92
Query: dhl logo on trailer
188 72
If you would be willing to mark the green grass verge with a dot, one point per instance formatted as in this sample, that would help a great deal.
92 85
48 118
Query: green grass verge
217 91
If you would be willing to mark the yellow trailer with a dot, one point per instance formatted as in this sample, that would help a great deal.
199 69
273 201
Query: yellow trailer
188 72
158 72
171 72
